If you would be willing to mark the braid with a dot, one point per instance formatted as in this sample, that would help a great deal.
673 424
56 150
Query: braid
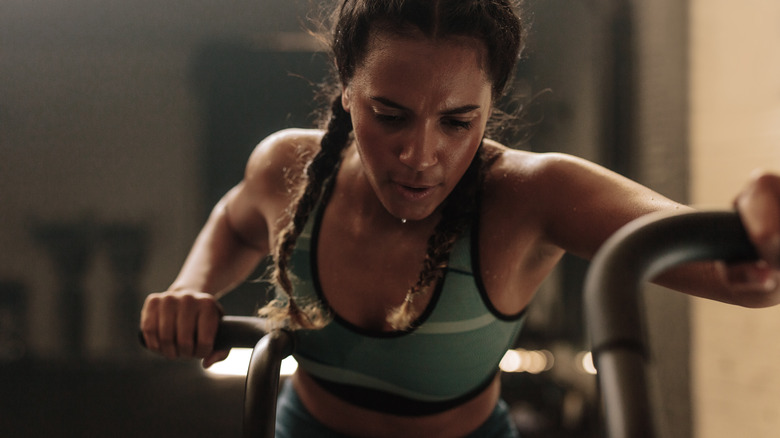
323 166
458 213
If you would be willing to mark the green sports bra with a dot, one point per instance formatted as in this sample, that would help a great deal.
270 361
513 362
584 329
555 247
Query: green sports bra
450 355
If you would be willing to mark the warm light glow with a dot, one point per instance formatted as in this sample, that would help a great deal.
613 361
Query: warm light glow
289 365
585 361
511 362
237 364
526 361
514 361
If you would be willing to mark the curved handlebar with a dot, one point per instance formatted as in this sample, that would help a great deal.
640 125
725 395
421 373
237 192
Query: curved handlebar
633 255
234 332
262 384
262 381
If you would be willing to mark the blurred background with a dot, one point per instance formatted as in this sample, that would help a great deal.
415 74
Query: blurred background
122 123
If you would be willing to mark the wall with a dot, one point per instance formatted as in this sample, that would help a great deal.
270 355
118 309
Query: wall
101 126
102 151
660 160
735 128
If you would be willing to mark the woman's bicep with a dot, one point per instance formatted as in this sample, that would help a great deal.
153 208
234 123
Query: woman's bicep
242 216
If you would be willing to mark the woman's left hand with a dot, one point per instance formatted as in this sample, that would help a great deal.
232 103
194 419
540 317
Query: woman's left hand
759 208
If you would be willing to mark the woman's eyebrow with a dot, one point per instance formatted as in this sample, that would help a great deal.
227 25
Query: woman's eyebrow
460 110
389 103
450 112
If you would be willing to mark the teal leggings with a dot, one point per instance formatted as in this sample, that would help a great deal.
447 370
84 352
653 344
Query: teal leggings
293 420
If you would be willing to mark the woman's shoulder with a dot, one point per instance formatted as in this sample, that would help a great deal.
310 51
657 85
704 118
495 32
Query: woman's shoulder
286 146
576 203
516 168
537 186
562 178
556 181
264 194
282 154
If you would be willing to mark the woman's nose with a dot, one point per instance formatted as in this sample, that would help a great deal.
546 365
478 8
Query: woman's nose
420 151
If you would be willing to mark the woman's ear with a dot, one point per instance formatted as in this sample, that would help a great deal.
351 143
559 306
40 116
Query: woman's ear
345 98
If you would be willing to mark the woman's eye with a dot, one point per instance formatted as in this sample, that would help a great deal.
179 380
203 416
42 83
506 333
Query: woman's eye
389 119
458 124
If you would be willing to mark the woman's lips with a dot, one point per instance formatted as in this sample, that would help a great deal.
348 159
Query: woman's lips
413 192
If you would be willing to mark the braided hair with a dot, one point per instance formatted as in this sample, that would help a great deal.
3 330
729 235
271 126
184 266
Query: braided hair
321 167
495 23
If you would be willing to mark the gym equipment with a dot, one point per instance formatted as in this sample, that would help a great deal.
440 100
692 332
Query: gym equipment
261 388
636 253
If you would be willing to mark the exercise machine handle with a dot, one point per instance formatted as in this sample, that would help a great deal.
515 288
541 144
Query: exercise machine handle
234 332
262 383
636 253
262 380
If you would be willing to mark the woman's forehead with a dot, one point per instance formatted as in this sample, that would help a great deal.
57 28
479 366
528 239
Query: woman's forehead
424 73
388 50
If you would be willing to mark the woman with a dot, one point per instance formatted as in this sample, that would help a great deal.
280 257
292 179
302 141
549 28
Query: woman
401 235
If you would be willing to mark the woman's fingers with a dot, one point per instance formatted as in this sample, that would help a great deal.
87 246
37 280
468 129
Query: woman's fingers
149 322
756 284
180 324
759 207
207 328
167 325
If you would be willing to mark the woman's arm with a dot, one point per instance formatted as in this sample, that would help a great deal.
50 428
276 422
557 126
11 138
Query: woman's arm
588 203
182 321
583 204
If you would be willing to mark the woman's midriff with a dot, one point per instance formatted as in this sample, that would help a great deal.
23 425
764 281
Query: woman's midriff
353 420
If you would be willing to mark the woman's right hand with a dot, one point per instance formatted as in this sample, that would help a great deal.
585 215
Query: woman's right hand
182 324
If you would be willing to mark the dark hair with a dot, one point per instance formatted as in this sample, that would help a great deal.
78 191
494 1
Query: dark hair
493 22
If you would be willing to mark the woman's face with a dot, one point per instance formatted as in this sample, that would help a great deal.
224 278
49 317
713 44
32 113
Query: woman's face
419 109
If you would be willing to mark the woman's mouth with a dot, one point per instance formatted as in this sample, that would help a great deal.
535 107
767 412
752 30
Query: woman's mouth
413 192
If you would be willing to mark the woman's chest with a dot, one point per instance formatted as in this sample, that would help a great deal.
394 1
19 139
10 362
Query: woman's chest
362 280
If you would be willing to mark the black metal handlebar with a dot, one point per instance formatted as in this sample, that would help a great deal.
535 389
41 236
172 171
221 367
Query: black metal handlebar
262 380
262 383
636 253
234 332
